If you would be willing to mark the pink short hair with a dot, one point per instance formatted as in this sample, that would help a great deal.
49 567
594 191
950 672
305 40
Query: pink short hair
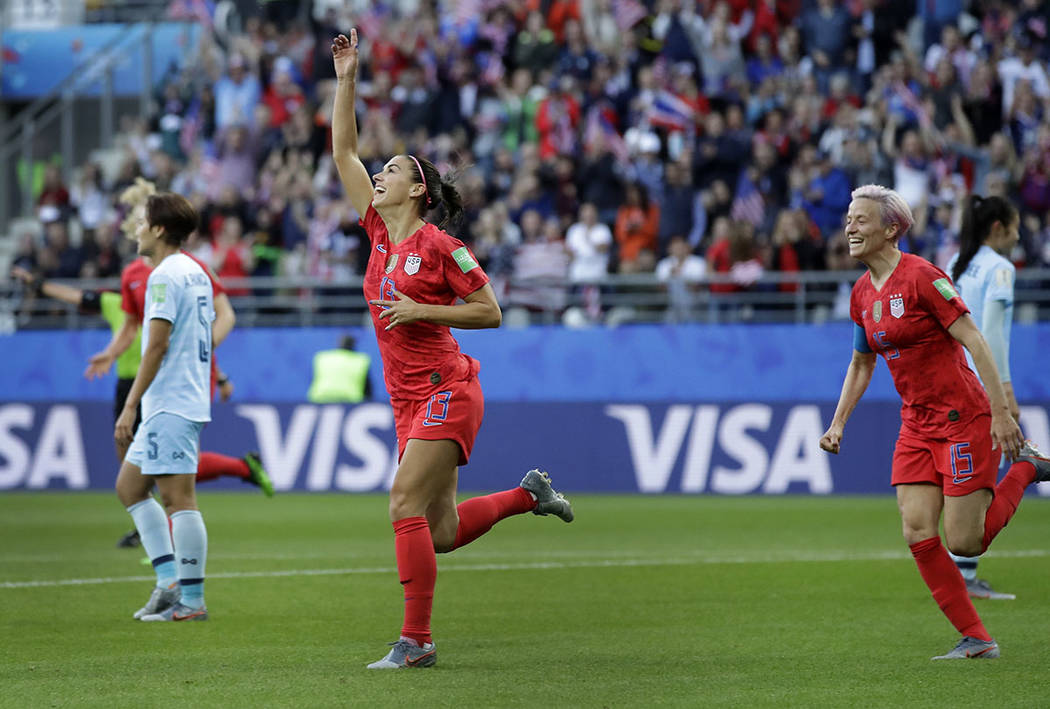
892 207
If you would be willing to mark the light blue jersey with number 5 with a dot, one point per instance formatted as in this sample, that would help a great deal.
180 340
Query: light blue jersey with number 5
180 292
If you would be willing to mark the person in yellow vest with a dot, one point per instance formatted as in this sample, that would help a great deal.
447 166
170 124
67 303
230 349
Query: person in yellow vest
341 375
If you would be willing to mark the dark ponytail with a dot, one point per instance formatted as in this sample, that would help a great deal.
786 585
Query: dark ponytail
979 215
441 192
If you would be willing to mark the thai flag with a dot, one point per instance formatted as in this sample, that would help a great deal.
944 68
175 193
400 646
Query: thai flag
628 13
671 112
748 205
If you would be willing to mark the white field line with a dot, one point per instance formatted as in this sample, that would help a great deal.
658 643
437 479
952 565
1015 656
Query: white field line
768 558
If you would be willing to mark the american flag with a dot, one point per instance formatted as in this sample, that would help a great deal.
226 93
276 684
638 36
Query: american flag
370 24
748 204
628 13
599 127
492 67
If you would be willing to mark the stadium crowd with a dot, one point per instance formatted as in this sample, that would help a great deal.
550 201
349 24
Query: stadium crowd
590 136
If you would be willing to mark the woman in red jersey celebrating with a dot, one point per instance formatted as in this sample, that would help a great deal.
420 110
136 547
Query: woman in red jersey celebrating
908 310
416 275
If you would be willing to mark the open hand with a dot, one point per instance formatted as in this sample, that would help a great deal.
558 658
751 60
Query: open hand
399 312
344 55
98 366
1006 436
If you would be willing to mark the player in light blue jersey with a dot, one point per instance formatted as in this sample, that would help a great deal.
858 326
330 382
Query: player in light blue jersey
985 279
173 387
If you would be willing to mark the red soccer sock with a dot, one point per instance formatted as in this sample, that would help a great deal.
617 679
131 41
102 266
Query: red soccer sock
213 465
417 568
949 590
1008 494
478 514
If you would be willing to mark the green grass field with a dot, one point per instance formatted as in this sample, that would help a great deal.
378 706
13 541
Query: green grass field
643 601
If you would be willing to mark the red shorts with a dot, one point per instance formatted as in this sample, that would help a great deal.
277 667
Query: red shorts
958 465
452 414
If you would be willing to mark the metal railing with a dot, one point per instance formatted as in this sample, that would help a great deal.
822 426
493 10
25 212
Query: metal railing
30 135
806 297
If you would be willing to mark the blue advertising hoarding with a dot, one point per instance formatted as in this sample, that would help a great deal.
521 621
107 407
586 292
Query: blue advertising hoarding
773 363
727 448
38 60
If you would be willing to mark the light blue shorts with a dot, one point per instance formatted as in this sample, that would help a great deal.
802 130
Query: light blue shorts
166 444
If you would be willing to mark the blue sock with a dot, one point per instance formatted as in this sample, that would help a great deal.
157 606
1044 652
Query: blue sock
967 565
152 524
191 552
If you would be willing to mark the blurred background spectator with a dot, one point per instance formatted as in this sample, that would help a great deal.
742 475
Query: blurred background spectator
673 127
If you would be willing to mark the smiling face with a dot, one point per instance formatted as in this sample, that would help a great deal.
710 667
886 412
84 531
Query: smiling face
865 232
397 183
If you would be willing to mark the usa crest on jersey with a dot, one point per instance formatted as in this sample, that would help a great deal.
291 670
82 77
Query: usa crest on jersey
412 264
897 306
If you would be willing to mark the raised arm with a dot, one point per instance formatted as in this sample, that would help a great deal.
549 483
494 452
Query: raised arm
352 172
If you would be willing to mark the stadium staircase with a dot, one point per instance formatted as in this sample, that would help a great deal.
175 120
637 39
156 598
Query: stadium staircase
49 126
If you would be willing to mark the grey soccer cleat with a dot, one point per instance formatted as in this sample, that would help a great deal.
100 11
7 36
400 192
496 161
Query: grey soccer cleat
979 588
1031 454
130 540
972 649
405 653
548 502
176 613
160 600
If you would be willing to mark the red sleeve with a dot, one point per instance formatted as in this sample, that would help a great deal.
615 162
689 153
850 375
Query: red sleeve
937 294
216 285
127 300
372 222
461 268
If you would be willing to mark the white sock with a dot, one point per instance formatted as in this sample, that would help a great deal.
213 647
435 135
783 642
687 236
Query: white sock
152 524
191 553
967 565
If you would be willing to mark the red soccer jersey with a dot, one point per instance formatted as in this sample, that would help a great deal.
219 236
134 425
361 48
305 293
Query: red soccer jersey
907 321
429 267
133 289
